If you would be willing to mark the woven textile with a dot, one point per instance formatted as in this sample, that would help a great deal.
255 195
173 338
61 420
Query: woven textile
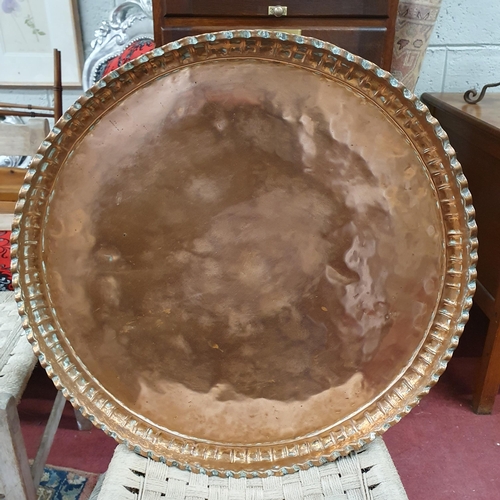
16 355
366 475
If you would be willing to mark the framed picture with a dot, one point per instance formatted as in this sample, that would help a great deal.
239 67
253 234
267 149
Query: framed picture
29 31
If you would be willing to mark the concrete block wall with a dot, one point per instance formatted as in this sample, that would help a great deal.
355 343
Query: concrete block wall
464 50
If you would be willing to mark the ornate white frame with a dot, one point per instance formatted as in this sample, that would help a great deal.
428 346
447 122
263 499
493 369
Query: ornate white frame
128 22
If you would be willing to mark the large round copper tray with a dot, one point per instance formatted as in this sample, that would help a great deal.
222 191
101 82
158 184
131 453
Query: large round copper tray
245 252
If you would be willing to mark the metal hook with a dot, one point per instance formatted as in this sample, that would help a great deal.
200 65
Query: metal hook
470 94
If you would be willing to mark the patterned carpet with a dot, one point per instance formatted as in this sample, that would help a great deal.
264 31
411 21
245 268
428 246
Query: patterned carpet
5 274
66 484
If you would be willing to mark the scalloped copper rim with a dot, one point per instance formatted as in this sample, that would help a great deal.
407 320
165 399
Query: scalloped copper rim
408 114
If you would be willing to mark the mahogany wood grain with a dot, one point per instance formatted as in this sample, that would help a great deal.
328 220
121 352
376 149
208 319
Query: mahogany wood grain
158 20
296 8
254 22
366 40
474 132
390 21
488 376
483 115
363 27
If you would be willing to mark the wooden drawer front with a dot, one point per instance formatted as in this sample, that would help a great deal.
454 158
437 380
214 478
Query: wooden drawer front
478 150
367 41
296 8
483 175
482 170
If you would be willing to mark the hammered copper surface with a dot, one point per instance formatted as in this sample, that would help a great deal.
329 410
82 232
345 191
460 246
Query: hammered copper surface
242 252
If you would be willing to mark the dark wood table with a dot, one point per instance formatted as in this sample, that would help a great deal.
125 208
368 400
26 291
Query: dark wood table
474 131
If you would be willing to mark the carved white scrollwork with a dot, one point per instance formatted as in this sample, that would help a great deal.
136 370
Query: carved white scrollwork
128 22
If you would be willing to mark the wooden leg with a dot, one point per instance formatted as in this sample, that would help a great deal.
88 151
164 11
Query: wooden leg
57 85
488 379
84 424
47 438
15 474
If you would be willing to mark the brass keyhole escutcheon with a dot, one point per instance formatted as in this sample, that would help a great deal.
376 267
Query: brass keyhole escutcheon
277 10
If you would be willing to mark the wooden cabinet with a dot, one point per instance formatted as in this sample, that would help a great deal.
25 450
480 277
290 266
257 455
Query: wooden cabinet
295 8
474 132
364 27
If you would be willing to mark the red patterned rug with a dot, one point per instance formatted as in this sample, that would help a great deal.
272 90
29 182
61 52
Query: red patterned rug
5 274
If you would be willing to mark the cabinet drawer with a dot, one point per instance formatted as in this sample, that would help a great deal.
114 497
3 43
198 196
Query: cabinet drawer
295 8
365 41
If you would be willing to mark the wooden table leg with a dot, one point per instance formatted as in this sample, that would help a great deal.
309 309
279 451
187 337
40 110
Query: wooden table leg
83 423
47 438
15 473
488 379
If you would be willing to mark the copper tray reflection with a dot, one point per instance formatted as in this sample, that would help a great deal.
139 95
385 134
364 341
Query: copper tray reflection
246 251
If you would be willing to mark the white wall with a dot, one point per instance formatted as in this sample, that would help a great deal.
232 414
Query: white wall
91 13
464 50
